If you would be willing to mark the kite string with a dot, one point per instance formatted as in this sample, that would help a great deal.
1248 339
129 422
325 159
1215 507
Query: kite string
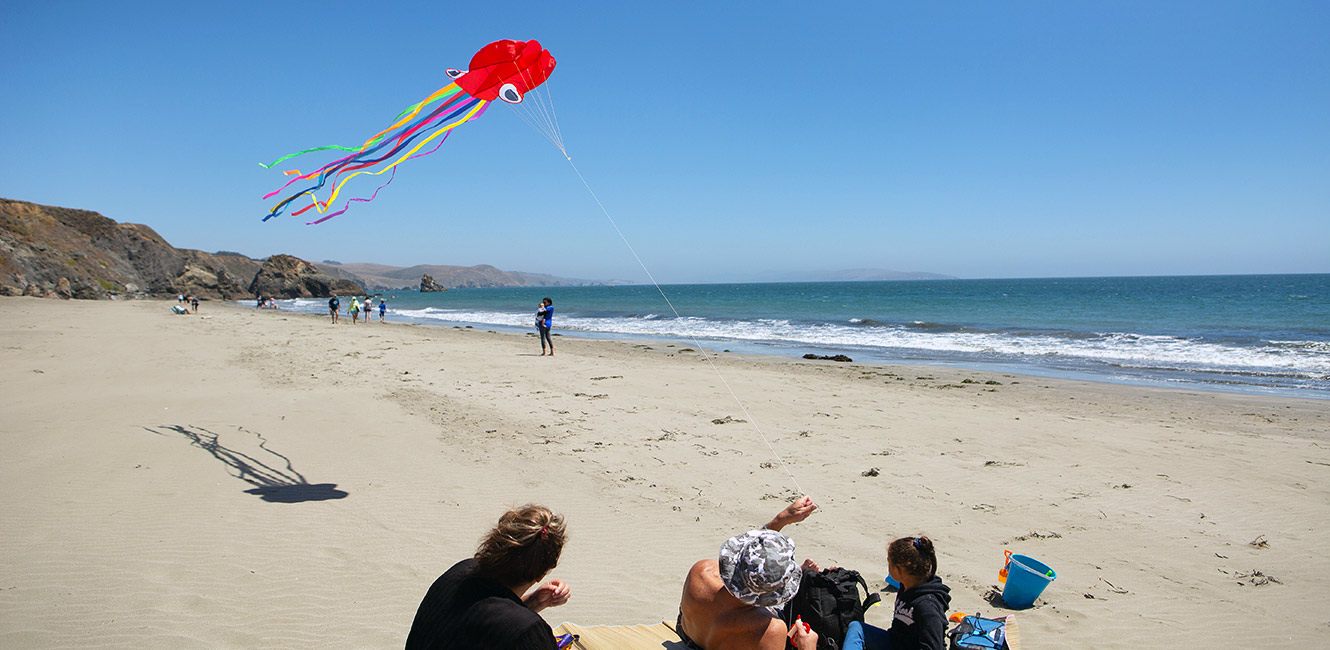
677 317
555 137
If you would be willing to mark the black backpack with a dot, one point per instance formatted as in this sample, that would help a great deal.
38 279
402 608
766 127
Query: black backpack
828 601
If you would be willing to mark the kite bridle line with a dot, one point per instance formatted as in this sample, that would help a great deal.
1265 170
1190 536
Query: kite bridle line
556 139
540 116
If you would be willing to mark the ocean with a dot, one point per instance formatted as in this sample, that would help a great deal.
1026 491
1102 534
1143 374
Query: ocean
1248 333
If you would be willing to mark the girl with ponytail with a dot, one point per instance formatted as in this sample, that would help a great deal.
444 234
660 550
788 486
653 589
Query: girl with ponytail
920 617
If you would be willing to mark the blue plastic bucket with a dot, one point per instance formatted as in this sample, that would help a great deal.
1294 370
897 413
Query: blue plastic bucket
1026 579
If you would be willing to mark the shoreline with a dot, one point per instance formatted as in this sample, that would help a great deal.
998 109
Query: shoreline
754 348
137 445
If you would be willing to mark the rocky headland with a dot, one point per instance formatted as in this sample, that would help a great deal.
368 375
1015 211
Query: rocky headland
286 276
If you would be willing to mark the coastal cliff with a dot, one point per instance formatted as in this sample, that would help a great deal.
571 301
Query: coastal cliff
58 252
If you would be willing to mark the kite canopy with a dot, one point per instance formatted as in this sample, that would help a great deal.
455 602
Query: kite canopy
505 70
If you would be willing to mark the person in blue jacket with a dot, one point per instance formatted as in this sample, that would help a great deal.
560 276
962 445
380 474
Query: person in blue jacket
544 320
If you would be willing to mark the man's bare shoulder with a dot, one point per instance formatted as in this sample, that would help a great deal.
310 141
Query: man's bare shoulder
704 568
703 580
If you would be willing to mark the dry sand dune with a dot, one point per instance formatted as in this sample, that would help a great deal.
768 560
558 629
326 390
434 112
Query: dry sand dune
244 479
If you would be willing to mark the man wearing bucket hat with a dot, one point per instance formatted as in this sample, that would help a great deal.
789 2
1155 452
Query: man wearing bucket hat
733 603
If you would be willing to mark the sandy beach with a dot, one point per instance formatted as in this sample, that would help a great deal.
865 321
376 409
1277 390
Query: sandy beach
257 479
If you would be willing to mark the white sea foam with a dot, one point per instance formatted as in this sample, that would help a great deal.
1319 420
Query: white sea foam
1300 359
1116 348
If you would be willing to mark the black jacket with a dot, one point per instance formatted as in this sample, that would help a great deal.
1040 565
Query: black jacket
920 620
462 611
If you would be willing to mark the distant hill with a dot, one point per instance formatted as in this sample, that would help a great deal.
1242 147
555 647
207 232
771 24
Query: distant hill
382 277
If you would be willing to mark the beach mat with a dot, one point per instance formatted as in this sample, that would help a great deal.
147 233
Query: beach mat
661 636
1013 634
622 637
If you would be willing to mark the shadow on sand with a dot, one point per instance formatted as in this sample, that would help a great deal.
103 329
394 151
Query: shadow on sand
271 482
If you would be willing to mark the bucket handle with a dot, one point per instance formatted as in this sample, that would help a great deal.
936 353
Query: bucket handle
1041 575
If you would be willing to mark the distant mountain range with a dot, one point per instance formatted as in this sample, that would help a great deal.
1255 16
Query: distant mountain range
382 277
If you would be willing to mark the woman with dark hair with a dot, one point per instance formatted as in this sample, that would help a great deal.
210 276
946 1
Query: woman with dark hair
920 617
487 602
545 320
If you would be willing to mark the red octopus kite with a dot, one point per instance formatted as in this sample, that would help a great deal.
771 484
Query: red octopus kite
505 70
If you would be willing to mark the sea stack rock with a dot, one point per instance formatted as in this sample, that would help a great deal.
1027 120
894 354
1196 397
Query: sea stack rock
428 284
286 276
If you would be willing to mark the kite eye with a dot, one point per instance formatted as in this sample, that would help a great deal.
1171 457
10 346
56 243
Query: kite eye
508 93
453 74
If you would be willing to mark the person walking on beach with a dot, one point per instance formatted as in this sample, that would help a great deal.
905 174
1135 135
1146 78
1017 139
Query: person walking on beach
355 310
194 303
544 320
383 308
486 602
334 306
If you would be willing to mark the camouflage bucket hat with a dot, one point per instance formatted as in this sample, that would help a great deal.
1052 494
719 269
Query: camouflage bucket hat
758 568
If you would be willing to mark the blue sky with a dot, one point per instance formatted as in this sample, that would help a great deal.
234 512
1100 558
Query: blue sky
977 139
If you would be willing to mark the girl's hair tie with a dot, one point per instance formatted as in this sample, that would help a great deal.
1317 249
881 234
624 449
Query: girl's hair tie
916 542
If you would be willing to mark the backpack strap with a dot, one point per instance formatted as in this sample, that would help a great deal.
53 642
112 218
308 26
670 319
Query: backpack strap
873 597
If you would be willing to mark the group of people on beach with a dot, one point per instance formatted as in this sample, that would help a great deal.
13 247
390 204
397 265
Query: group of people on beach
190 302
544 315
492 600
356 307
